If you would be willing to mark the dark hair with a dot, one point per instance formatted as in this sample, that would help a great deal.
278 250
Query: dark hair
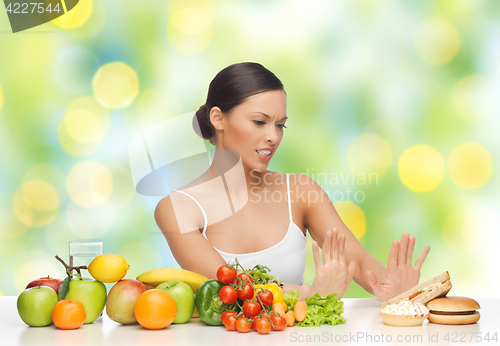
231 87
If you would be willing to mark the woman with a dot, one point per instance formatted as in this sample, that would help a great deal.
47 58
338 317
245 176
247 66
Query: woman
245 112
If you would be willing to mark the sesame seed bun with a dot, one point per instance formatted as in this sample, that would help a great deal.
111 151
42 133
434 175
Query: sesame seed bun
453 310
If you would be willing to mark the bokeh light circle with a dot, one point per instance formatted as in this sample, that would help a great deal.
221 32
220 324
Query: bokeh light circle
76 17
22 209
353 217
51 174
421 168
115 85
30 216
436 42
83 126
470 165
89 184
189 29
369 153
40 195
474 98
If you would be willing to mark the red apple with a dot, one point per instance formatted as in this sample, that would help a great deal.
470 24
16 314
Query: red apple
121 300
46 281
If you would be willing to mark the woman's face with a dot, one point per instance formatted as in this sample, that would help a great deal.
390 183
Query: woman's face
255 128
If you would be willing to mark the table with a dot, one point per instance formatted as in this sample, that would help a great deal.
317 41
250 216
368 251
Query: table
364 326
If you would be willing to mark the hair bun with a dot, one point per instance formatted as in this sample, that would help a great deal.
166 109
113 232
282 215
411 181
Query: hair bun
202 125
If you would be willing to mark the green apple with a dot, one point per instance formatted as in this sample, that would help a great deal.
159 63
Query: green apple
183 296
91 293
35 305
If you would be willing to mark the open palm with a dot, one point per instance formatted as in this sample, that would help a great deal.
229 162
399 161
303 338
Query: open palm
400 275
332 273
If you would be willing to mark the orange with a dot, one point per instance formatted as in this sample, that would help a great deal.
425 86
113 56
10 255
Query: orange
155 309
68 314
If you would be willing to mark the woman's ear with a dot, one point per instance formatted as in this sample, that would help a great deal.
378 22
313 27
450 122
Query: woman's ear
216 118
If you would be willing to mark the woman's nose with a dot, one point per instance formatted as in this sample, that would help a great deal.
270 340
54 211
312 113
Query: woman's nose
272 134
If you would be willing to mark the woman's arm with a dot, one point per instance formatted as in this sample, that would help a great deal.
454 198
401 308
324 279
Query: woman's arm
400 275
320 216
190 248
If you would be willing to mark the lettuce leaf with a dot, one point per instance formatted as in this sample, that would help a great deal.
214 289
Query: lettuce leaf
323 310
291 298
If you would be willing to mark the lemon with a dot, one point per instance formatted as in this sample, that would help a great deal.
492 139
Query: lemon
108 268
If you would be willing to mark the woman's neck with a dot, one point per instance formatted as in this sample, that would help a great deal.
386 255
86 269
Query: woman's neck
225 159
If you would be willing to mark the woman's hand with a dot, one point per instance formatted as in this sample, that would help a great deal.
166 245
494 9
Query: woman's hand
332 274
400 276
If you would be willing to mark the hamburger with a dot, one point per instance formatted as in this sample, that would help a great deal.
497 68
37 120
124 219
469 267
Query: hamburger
453 310
438 286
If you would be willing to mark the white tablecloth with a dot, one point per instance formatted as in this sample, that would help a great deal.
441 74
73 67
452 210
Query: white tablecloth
364 326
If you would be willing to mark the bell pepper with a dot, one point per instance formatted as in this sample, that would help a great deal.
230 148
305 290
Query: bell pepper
277 293
208 303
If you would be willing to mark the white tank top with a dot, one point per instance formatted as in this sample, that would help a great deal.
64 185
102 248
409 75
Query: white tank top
286 259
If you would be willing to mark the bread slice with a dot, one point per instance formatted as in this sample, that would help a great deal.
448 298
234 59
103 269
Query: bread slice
438 286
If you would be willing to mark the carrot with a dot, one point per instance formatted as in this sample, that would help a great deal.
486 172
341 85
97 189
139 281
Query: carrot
290 318
278 309
300 310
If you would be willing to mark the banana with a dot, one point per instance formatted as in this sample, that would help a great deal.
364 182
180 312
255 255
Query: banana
154 277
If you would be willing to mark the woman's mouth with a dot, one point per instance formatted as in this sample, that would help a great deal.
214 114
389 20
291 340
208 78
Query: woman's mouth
264 155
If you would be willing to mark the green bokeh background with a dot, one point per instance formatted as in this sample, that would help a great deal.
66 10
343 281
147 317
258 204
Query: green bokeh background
350 68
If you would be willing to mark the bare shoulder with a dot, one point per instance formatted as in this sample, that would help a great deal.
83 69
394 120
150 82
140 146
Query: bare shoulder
172 211
165 214
164 206
303 182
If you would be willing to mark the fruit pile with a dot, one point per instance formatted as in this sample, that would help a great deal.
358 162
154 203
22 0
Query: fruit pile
156 299
159 297
71 302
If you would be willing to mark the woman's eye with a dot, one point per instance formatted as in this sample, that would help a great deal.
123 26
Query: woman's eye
259 122
281 126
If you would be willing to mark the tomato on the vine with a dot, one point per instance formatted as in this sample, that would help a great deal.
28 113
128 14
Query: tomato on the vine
228 295
266 297
226 274
251 309
226 314
254 322
230 322
279 322
242 277
246 292
243 325
263 326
